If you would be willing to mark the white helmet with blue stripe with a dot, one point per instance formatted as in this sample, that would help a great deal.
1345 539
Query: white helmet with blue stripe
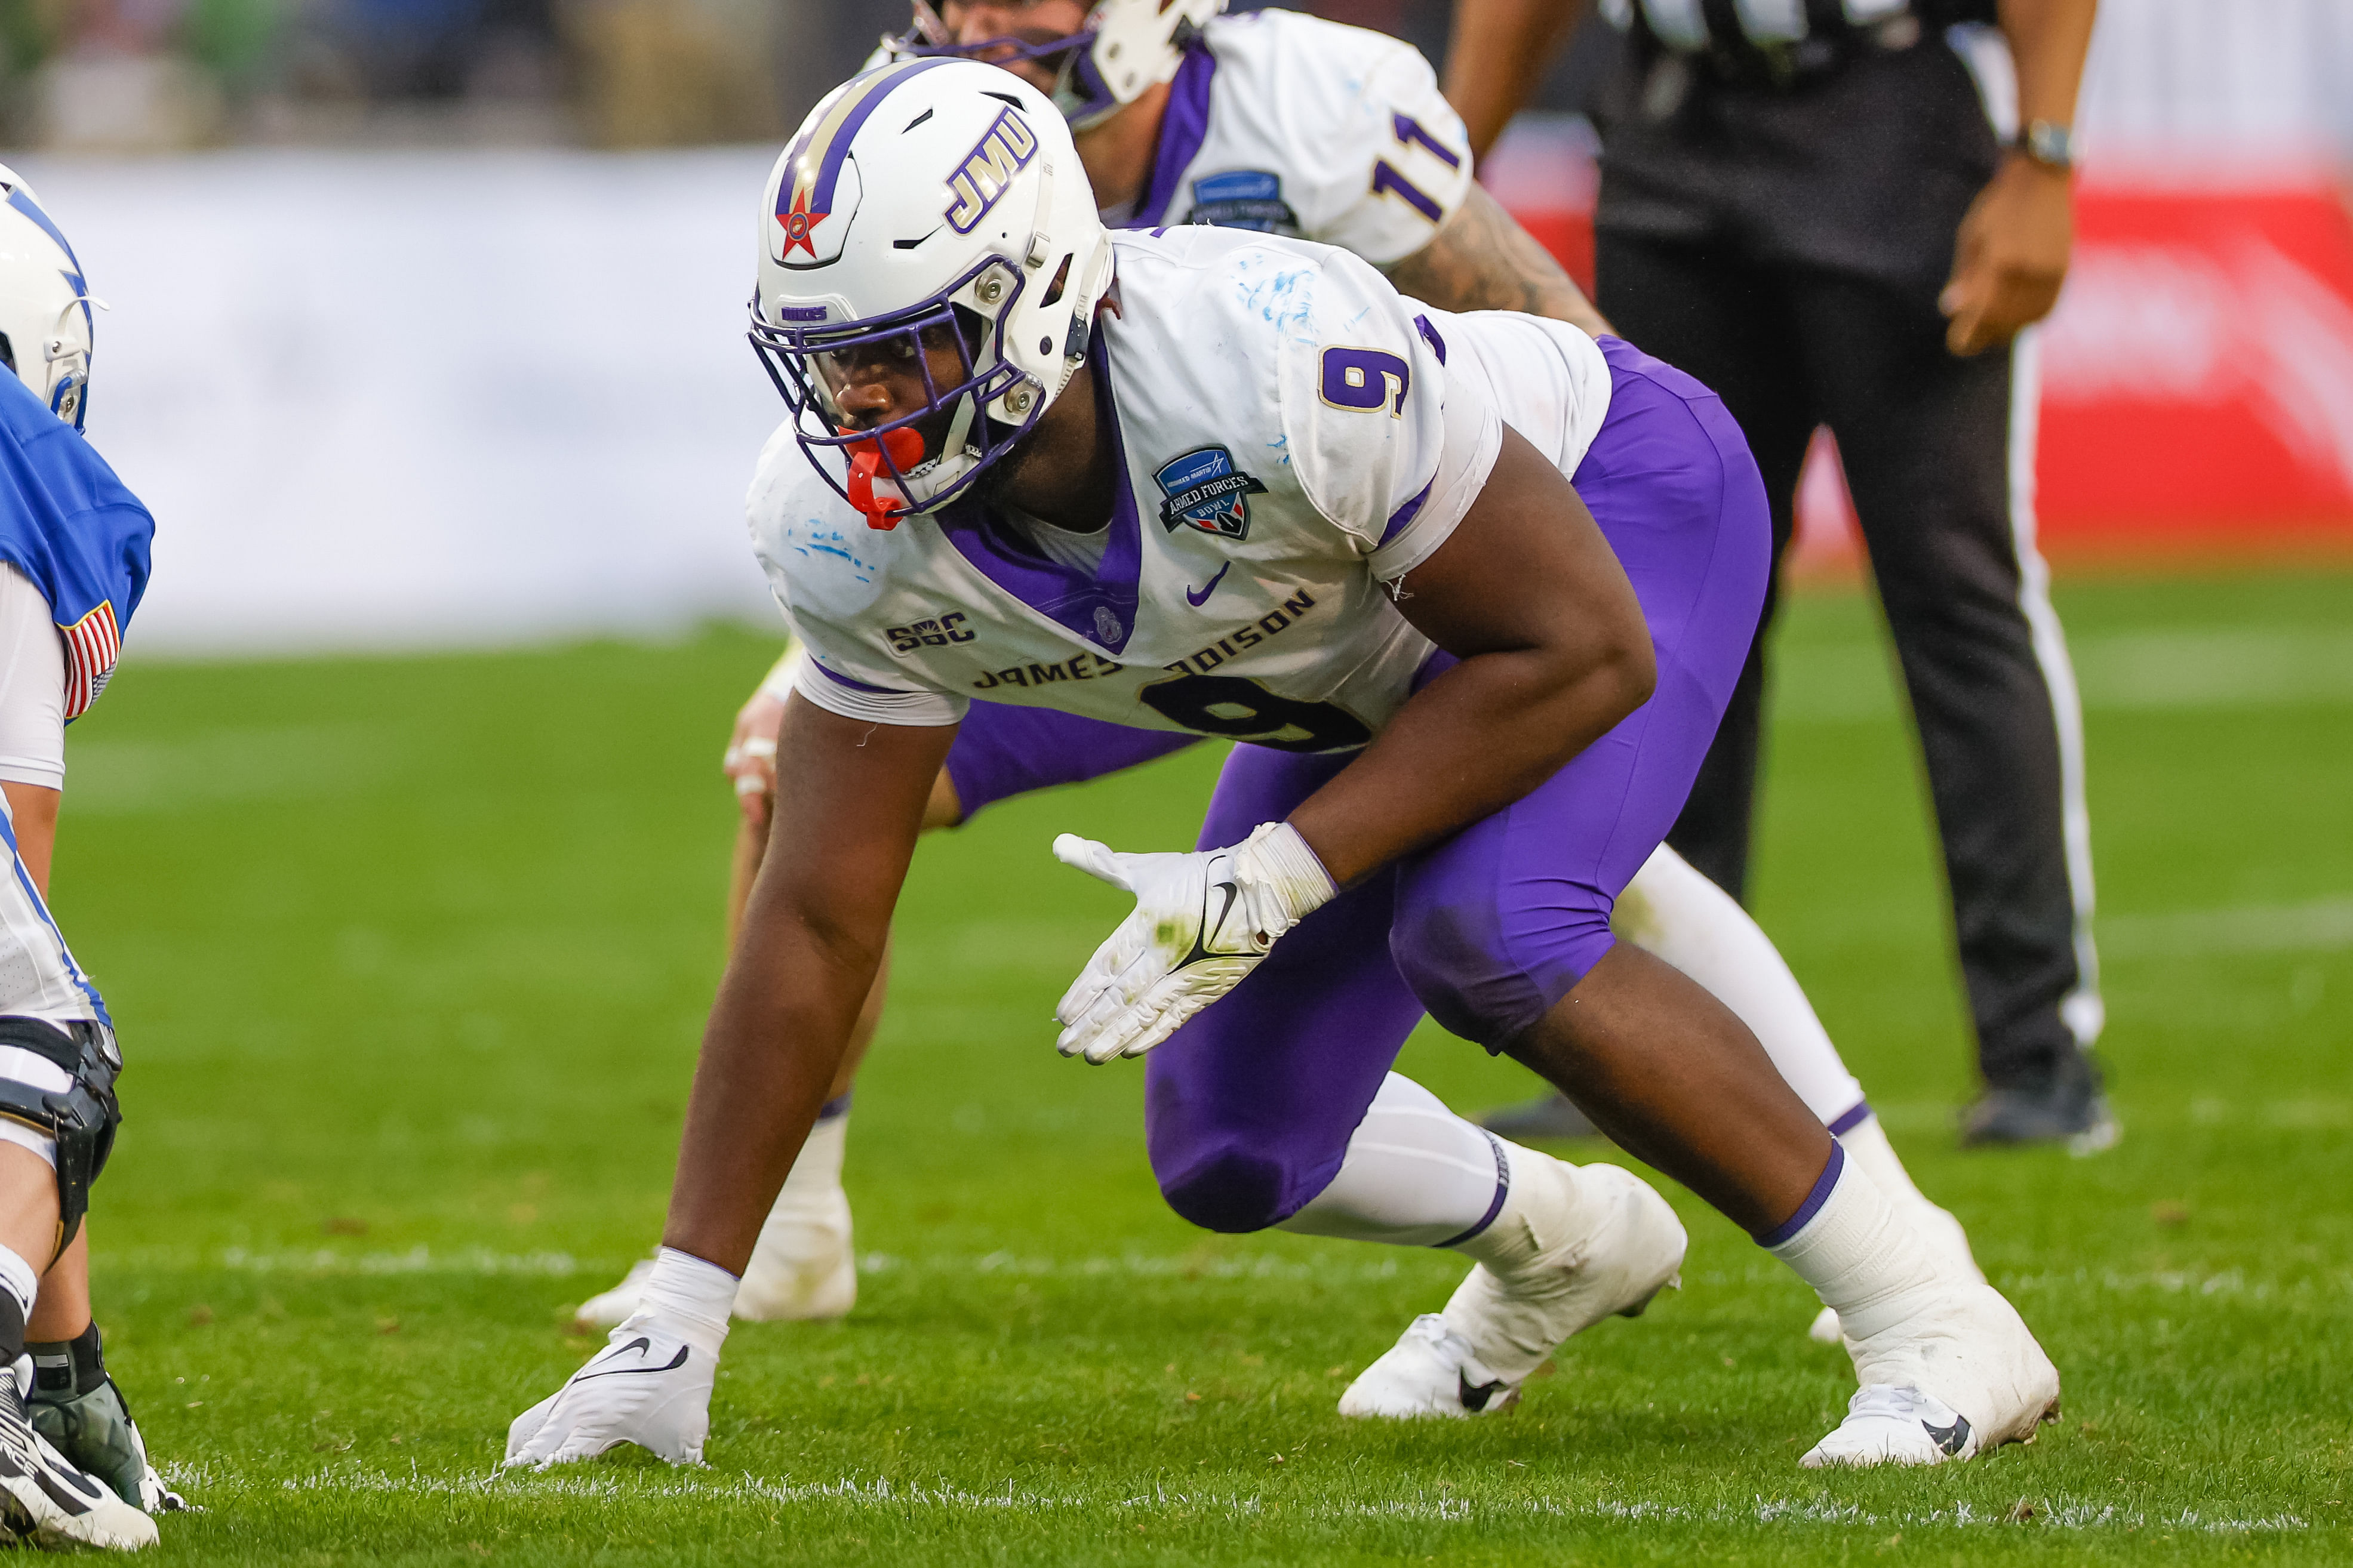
45 305
929 212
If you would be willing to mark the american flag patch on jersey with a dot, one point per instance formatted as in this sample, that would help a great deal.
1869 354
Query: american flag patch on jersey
93 645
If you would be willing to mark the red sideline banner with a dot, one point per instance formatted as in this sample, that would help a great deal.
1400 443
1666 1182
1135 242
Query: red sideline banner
2196 376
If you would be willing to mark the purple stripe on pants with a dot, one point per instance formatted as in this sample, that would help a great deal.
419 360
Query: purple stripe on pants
1003 751
1249 1107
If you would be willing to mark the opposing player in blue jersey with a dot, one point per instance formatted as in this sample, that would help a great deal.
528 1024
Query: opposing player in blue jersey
1288 124
1472 588
73 565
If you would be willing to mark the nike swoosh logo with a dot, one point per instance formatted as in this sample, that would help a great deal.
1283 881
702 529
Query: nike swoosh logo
636 1344
1210 929
1476 1398
1951 1439
1201 598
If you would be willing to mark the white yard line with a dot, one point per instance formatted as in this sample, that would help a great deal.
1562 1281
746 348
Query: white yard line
882 1494
2182 669
2324 925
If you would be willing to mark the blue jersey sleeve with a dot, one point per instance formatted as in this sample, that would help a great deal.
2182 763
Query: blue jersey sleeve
73 527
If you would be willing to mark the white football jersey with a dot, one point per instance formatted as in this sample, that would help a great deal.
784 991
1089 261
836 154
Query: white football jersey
1290 434
1289 124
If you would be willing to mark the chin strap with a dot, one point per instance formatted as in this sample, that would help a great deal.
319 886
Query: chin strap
905 449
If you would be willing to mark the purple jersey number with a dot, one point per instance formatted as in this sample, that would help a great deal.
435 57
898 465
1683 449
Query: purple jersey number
1387 181
1411 133
1366 378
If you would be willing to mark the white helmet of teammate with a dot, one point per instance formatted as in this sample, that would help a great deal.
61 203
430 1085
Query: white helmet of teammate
935 207
1125 48
44 320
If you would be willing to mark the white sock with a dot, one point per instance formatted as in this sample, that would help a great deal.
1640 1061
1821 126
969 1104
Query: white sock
1866 1144
1538 1214
692 1293
21 1281
1859 1251
1672 912
1416 1174
816 1175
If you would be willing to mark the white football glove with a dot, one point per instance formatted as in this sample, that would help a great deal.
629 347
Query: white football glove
650 1385
1202 921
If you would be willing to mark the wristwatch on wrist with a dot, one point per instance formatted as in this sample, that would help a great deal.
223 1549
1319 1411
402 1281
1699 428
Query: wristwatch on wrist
2049 144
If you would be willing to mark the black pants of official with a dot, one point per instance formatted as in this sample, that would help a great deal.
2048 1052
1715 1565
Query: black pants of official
1926 443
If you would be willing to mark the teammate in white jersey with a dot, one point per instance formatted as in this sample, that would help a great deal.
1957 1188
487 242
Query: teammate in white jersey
1283 123
1237 485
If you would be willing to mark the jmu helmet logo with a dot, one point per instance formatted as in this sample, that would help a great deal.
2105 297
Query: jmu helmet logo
1205 491
983 174
818 182
797 223
802 237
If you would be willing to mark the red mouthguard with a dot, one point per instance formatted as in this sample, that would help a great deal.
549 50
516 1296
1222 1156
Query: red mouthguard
905 449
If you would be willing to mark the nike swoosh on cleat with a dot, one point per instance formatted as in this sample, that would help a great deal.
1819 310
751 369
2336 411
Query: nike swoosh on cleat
1476 1398
1951 1439
675 1362
1201 598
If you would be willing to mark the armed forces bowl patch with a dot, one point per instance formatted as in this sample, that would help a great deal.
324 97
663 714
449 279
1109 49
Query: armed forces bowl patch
1243 198
1205 490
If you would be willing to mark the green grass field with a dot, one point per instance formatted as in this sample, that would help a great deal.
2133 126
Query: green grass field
410 958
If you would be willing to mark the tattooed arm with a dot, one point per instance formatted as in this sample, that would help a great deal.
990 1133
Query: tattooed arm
1484 260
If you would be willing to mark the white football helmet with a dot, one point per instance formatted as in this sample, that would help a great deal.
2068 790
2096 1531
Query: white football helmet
1126 48
931 206
45 316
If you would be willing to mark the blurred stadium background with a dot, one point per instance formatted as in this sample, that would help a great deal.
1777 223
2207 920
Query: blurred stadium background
426 339
465 274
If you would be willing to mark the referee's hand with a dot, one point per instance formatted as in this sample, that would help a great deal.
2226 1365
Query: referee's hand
2011 256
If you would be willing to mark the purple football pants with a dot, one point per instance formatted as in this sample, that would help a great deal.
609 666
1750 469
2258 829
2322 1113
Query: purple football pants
1249 1107
1002 751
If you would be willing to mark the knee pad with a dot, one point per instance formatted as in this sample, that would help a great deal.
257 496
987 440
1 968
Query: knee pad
1229 1187
81 1116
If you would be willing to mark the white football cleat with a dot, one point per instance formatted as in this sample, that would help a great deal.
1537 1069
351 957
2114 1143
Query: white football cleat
804 1268
1889 1425
1956 1381
46 1499
1947 1243
1618 1245
606 1308
802 1271
1431 1370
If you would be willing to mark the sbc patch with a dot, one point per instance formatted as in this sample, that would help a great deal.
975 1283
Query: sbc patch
1243 198
1205 490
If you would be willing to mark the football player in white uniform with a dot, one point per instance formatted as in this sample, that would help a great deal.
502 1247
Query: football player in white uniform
1472 590
1288 124
73 566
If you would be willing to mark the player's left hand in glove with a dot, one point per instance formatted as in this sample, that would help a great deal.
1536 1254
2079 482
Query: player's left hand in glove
1202 921
650 1385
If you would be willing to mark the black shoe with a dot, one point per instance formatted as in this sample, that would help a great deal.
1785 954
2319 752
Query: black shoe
2065 1107
1551 1117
